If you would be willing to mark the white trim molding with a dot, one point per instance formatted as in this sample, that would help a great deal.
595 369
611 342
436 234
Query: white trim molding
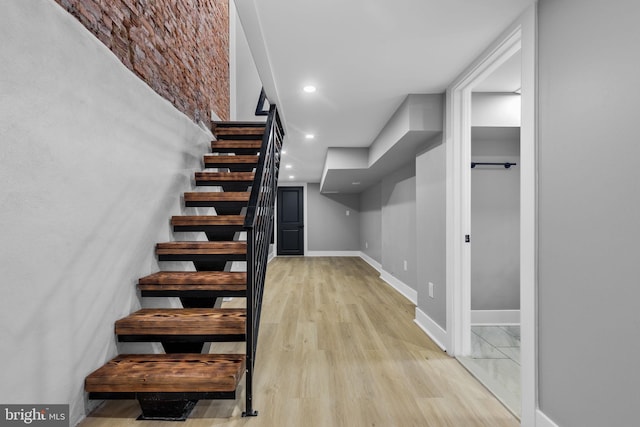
495 317
372 262
333 253
405 290
431 328
543 421
458 140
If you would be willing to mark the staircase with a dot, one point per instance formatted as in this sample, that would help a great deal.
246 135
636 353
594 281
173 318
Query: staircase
169 385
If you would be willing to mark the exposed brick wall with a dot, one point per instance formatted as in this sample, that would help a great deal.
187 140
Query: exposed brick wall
179 47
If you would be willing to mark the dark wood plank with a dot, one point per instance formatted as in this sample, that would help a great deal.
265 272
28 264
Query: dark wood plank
183 321
194 280
202 248
185 373
210 160
218 196
223 177
228 144
224 200
221 131
207 220
194 284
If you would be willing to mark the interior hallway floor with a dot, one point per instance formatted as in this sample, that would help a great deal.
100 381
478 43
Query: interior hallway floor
338 347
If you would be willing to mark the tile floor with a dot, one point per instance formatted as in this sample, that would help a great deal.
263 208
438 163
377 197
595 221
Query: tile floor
495 361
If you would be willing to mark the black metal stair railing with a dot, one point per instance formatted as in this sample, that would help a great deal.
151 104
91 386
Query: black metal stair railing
259 227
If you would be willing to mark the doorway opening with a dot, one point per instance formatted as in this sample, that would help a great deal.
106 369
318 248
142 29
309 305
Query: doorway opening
494 357
520 37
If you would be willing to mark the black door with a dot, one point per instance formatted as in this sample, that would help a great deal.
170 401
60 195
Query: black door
290 221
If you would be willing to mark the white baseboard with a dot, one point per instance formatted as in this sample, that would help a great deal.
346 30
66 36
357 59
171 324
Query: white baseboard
431 328
405 290
333 253
543 421
372 262
495 317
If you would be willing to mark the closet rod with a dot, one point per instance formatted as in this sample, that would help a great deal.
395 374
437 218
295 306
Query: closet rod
506 165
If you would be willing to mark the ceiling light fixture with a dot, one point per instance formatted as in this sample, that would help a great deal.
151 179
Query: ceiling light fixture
288 166
309 89
284 151
355 183
291 176
309 136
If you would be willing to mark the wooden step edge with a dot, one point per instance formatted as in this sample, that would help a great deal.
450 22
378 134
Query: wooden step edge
208 220
231 123
168 373
241 159
217 196
238 129
237 143
194 284
194 278
203 245
199 322
226 176
201 251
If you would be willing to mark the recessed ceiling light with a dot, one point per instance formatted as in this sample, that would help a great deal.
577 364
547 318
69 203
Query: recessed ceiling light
288 166
284 151
291 176
309 89
309 136
355 183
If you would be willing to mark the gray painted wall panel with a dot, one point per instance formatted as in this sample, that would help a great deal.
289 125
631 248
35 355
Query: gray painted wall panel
399 224
431 232
371 222
329 226
589 206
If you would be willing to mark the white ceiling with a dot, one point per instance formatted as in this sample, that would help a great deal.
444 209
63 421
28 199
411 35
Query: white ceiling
364 57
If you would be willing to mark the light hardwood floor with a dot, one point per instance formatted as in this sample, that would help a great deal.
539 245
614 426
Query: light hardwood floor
338 347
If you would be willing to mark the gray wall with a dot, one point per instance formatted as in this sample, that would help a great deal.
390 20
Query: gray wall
495 220
246 81
398 198
431 232
371 222
92 165
589 208
329 227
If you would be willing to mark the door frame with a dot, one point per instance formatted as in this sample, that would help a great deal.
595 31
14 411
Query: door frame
304 215
520 36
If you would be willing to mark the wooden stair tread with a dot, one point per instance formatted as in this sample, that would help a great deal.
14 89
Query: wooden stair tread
182 373
217 196
240 143
203 248
194 279
183 321
208 220
222 131
225 176
194 283
230 160
237 123
219 199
